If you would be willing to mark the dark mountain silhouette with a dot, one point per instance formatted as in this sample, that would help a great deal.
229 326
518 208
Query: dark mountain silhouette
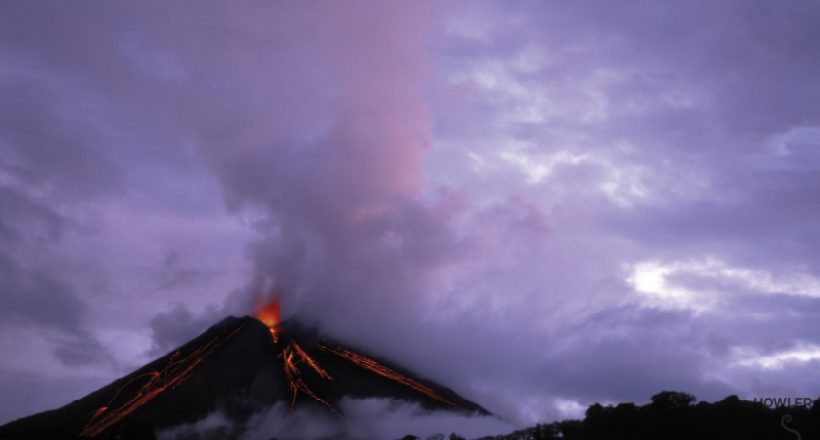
238 366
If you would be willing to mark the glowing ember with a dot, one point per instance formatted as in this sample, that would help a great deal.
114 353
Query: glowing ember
150 384
292 356
381 370
270 314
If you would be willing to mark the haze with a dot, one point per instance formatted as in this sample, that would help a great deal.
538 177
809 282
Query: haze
539 204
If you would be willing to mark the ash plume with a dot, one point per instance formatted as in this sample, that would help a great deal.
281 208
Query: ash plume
529 189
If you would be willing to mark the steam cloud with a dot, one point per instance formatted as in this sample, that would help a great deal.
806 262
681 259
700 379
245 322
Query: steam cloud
365 419
539 207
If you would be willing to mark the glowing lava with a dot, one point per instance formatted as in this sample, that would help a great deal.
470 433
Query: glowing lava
143 387
369 364
270 314
149 385
293 356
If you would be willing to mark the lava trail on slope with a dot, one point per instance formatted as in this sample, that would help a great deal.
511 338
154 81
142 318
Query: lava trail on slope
293 356
144 387
239 366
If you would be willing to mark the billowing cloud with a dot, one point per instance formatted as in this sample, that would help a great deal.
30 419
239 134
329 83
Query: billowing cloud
539 206
364 419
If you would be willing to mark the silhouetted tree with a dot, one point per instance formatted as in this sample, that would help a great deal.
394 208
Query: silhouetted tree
674 415
672 399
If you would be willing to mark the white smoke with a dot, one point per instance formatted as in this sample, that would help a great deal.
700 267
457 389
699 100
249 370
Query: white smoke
364 419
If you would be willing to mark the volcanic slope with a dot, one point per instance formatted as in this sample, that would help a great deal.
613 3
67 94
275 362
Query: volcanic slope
240 366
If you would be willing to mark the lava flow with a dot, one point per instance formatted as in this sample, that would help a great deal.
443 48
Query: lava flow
293 356
154 383
381 370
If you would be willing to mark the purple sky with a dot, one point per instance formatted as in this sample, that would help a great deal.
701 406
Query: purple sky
539 204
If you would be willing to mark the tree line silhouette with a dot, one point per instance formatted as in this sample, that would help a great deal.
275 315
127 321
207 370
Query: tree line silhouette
675 415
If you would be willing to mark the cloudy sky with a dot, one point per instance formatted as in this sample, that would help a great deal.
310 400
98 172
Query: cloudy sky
539 204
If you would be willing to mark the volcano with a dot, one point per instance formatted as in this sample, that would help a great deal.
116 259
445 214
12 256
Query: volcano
239 366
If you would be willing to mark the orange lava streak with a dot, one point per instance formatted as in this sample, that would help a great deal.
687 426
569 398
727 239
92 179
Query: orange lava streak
270 315
177 370
381 370
292 373
309 360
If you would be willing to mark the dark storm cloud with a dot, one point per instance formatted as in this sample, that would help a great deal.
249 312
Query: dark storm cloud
34 391
174 272
615 348
177 325
469 189
81 351
770 224
43 145
684 348
64 163
675 106
27 219
32 296
35 297
51 158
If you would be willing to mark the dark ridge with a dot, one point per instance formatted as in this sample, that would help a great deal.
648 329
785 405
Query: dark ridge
240 375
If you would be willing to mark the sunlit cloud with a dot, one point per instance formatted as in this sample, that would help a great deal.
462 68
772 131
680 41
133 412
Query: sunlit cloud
802 354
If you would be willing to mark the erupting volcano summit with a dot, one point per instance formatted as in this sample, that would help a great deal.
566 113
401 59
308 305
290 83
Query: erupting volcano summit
239 366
